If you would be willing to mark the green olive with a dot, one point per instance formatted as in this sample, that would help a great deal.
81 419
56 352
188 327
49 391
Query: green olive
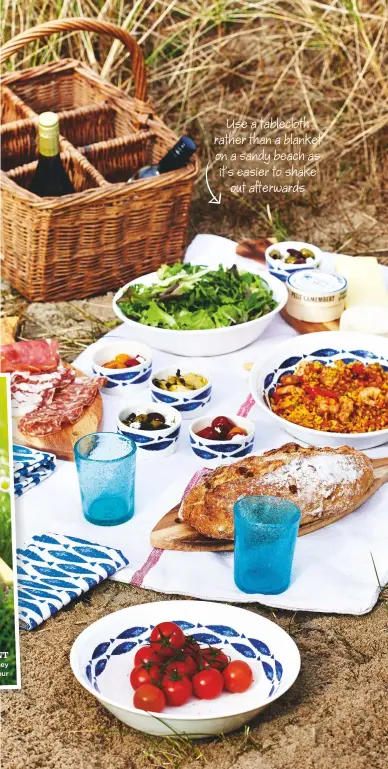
290 260
275 254
307 253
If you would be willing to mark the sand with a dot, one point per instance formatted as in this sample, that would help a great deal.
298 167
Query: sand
334 717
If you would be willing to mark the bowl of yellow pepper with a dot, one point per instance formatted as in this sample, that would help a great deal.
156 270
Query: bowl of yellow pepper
124 364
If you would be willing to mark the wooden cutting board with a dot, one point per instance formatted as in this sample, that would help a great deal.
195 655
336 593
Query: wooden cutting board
306 327
62 442
172 534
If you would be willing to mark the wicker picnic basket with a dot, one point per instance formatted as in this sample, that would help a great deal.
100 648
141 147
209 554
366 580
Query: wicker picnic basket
108 232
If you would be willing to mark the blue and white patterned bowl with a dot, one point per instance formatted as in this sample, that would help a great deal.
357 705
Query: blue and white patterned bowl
280 269
326 347
120 381
190 402
102 657
158 442
214 453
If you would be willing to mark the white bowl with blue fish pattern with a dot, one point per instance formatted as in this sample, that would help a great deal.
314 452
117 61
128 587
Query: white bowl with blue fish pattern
103 655
325 347
188 402
119 381
279 269
212 453
161 443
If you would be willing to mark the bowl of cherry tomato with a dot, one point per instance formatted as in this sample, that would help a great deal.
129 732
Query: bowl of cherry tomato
124 365
196 668
221 439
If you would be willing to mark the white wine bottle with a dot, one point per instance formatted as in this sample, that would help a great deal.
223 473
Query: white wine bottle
175 158
50 178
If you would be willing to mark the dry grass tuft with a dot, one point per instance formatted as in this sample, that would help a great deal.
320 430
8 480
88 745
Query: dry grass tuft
213 59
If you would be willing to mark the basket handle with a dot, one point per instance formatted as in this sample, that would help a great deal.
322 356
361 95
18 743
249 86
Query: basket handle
85 25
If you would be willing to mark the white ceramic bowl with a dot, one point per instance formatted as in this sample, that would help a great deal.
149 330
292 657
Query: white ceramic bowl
162 442
325 346
189 402
102 657
126 379
281 270
214 341
214 453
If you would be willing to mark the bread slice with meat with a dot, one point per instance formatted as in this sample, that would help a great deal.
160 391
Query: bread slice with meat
324 483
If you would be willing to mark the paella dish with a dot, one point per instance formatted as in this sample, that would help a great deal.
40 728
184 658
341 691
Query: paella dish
346 397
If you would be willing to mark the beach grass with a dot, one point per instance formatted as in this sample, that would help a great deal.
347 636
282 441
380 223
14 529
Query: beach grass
209 60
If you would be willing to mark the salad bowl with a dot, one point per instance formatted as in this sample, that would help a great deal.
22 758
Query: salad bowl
201 342
326 347
102 657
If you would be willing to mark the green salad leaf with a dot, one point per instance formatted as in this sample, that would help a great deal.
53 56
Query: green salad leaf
192 297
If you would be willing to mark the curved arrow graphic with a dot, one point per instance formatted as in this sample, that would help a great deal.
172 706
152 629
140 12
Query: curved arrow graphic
213 198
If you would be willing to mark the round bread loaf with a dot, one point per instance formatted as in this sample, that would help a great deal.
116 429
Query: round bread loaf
323 483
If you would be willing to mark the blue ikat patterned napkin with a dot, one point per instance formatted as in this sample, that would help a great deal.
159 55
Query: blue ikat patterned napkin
54 569
30 467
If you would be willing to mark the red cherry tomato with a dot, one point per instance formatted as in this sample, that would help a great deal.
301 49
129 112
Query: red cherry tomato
237 676
178 668
149 698
176 689
191 664
212 658
236 431
166 638
208 434
208 684
222 424
146 654
191 645
188 655
145 674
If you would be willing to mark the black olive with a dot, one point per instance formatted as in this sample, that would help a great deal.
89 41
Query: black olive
294 252
154 416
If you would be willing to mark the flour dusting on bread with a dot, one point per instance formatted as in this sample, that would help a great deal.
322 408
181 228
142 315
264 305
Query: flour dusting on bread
316 477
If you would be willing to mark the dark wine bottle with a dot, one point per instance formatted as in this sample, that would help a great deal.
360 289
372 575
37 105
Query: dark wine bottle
50 178
176 157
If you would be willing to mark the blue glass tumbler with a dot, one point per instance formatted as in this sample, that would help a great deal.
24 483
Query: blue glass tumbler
265 532
106 464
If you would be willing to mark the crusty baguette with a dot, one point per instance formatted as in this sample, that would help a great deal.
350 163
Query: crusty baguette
321 482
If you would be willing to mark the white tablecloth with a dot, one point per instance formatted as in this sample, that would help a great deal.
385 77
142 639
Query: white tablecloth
333 568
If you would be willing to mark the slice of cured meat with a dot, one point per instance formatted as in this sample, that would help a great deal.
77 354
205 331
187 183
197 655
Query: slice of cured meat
66 407
28 391
34 355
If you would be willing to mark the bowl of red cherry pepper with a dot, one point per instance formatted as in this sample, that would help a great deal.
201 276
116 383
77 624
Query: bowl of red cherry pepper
221 439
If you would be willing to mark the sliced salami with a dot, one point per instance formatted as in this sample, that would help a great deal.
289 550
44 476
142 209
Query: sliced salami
28 391
34 355
66 407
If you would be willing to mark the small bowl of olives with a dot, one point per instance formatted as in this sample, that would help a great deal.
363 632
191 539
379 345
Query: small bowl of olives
156 430
284 258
